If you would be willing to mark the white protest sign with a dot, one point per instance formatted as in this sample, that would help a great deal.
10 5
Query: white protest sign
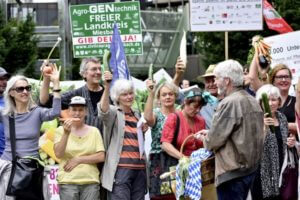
285 49
226 15
53 188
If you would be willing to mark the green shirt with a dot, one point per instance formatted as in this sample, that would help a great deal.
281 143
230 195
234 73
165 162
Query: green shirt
156 131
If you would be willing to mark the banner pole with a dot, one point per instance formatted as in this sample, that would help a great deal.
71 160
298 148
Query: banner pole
226 45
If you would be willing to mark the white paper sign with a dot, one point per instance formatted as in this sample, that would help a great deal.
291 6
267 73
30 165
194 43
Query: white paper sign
53 189
285 49
226 15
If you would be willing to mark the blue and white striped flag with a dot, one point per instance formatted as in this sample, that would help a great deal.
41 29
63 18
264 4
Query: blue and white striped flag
118 63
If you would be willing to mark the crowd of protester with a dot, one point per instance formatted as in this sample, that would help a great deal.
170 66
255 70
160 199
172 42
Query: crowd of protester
100 144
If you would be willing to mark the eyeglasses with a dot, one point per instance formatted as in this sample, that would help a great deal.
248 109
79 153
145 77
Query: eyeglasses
284 77
21 89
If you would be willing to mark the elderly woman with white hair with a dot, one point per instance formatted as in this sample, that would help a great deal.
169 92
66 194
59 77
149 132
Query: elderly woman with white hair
266 183
124 174
28 118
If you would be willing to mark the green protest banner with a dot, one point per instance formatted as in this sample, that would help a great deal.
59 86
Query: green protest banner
92 27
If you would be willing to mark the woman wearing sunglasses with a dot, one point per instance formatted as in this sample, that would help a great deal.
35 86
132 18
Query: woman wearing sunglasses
28 118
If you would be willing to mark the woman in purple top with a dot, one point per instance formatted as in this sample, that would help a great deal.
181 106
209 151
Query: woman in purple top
28 119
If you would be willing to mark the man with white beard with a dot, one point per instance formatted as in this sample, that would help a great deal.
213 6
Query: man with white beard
236 134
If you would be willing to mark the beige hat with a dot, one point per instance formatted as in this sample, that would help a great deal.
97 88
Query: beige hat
209 71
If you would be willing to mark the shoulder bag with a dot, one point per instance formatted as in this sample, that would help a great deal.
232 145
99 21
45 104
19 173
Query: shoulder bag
26 178
289 187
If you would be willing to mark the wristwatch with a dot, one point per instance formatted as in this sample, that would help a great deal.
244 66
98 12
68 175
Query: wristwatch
56 90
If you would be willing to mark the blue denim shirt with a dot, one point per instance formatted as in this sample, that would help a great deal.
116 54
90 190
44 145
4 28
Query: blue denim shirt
207 113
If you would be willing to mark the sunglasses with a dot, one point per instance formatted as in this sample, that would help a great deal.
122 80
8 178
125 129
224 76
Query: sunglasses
21 89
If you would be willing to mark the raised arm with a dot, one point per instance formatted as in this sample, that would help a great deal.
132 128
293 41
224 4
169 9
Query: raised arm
148 112
49 114
104 102
179 71
255 82
44 92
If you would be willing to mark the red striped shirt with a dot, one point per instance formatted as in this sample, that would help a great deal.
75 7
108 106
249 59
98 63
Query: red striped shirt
130 156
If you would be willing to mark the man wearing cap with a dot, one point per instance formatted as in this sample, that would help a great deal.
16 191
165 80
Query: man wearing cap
236 135
4 76
208 110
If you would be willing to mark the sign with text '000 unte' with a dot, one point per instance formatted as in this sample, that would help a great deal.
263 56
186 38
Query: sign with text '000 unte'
92 27
285 49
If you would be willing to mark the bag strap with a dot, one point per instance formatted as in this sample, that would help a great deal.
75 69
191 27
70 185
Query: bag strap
174 141
12 133
292 157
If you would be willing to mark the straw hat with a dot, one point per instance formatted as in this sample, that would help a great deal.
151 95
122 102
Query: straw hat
209 71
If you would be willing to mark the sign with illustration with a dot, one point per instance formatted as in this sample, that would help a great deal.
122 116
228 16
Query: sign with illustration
92 27
226 15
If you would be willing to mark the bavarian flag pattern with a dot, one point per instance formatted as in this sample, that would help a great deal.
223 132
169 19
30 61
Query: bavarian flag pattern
193 185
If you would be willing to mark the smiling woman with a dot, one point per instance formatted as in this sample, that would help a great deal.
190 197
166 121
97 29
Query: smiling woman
266 183
281 77
27 118
80 148
124 172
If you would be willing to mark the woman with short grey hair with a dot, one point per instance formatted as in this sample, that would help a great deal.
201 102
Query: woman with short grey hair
124 171
28 119
120 87
266 182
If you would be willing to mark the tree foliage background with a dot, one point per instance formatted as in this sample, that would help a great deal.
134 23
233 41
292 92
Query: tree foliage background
18 46
211 44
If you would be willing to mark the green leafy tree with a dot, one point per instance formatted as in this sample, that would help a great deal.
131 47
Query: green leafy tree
211 44
18 46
